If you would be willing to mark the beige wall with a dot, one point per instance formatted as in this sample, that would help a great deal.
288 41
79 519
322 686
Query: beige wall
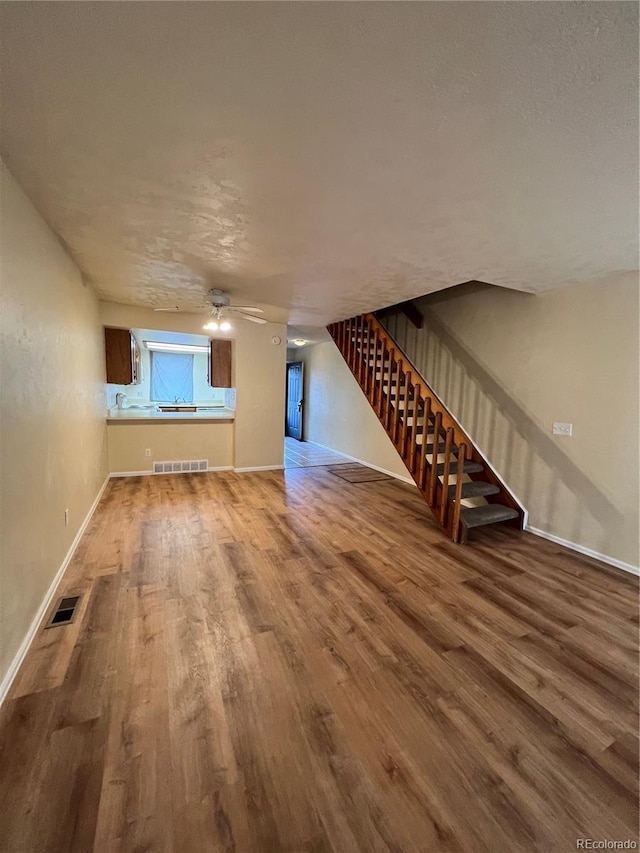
258 371
53 451
338 415
509 364
168 442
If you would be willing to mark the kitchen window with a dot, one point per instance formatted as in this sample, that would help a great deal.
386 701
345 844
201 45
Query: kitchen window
171 377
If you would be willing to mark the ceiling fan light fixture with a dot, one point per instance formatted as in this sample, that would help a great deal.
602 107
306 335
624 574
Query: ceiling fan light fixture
220 303
211 326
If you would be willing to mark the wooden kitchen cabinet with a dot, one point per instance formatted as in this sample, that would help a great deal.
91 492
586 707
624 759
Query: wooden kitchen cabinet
122 357
219 364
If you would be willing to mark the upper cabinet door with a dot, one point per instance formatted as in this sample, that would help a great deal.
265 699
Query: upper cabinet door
220 364
122 357
136 367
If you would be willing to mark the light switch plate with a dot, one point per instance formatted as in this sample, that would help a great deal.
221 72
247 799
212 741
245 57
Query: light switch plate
562 429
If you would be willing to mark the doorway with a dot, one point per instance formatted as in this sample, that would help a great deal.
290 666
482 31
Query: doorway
295 401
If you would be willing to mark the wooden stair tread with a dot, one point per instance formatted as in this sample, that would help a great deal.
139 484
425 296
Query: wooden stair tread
428 448
419 430
478 516
469 467
475 489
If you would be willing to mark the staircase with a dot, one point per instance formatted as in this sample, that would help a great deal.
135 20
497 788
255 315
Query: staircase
456 481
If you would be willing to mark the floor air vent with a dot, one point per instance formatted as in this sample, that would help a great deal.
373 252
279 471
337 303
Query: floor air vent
65 611
184 466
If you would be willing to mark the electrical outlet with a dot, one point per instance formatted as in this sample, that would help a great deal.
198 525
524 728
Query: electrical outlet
147 451
562 429
66 517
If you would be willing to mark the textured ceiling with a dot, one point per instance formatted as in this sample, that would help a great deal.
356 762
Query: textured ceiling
325 158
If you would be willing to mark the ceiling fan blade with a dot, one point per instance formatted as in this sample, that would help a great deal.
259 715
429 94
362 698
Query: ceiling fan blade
174 308
250 308
250 317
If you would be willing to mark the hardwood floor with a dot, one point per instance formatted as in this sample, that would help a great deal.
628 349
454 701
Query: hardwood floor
290 662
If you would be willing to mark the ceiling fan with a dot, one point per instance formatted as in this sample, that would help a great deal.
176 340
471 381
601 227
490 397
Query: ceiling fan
219 304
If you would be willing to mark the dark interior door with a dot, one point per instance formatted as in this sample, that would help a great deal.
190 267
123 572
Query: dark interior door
293 422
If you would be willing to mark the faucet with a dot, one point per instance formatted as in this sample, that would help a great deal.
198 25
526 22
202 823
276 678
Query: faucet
120 400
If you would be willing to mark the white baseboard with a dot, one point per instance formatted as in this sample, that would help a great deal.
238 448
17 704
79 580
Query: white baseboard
588 552
11 673
150 473
259 468
219 468
367 464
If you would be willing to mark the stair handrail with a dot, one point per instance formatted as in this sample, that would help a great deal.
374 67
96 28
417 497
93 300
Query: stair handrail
459 435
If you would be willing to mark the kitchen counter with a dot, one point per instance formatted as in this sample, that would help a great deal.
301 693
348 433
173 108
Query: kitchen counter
116 416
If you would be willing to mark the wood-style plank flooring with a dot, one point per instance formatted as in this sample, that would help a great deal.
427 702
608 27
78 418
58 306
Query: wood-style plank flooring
289 662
